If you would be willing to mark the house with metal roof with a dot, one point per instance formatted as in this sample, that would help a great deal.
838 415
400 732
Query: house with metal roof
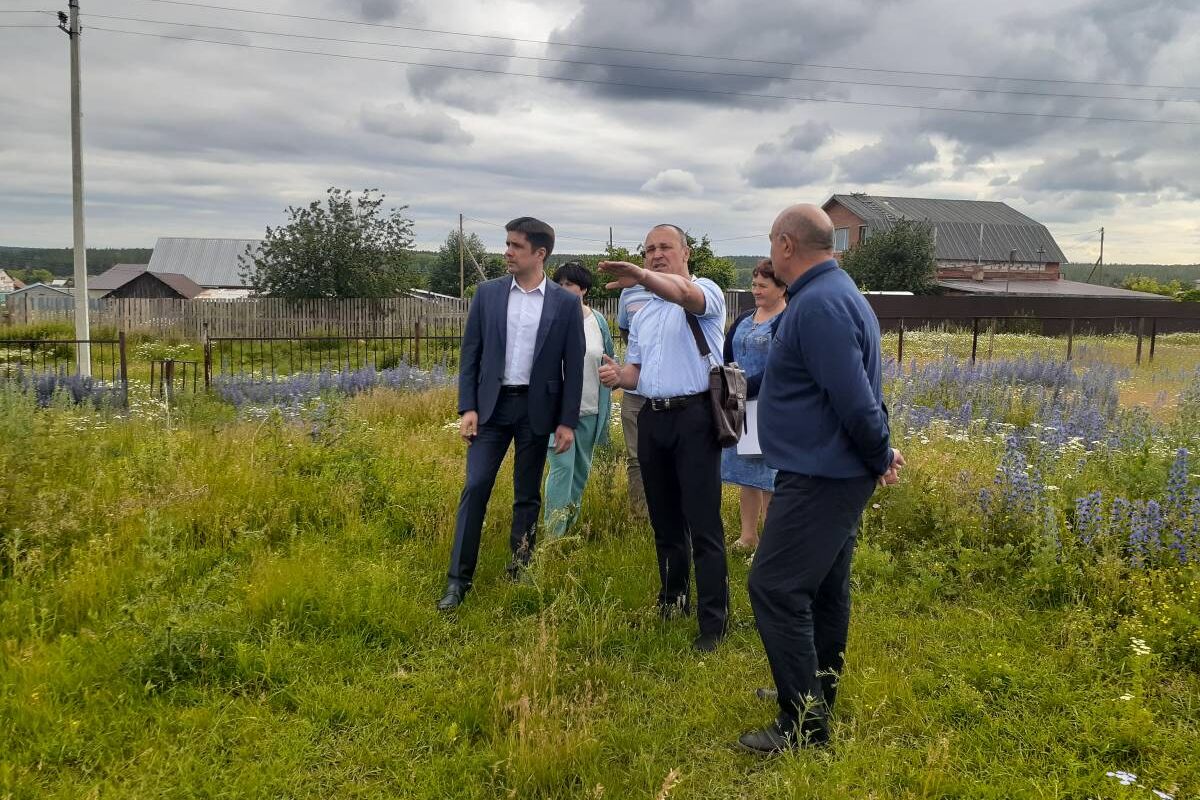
210 263
981 246
135 280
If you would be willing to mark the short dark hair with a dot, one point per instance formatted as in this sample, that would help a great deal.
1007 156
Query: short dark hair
765 269
537 232
576 273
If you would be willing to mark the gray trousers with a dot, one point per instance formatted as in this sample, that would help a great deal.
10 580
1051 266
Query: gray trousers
631 406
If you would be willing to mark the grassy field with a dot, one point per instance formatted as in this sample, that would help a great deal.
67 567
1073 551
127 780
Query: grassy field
201 602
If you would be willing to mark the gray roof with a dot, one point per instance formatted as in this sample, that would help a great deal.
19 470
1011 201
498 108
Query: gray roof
1045 289
121 274
956 223
212 263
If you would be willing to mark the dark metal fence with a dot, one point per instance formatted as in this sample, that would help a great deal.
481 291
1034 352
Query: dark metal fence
30 358
427 346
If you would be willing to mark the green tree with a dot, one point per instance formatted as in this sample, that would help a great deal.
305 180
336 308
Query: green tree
706 264
443 275
897 260
31 275
592 262
345 247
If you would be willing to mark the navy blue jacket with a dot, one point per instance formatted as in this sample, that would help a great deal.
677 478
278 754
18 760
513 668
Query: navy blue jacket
821 411
556 377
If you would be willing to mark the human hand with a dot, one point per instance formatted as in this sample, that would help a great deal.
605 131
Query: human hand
610 372
468 426
626 274
892 476
564 437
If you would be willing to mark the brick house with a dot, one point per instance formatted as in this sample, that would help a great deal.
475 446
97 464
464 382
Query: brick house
974 239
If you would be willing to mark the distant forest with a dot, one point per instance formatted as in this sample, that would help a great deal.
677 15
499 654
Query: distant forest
59 262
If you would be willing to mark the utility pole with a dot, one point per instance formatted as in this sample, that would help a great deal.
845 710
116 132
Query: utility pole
1100 261
83 349
610 237
462 289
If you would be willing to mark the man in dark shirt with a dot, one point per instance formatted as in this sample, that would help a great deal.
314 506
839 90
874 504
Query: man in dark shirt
823 425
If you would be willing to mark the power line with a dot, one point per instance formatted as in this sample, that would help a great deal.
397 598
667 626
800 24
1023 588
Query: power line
659 88
45 26
666 52
649 67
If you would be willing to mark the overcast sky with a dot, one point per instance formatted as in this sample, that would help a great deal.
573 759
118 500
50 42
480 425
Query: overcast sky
200 139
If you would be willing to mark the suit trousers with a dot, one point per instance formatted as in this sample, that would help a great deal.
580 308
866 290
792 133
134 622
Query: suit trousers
509 423
681 470
800 591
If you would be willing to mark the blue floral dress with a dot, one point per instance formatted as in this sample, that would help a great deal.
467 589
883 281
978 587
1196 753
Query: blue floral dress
751 343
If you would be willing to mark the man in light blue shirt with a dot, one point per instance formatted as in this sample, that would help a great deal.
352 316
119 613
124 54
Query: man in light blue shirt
677 441
632 301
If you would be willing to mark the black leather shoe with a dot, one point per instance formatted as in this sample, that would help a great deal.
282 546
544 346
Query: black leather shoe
766 693
777 738
669 611
452 599
707 642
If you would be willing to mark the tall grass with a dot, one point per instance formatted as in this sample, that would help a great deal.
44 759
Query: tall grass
198 604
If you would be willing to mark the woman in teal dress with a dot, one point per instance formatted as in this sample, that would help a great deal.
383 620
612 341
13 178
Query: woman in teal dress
747 342
569 472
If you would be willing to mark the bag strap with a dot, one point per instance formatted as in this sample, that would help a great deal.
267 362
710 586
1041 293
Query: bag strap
701 342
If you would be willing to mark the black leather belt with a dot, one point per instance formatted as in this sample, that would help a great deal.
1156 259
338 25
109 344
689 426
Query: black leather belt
674 403
514 390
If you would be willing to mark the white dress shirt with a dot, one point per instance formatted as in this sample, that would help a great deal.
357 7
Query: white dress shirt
524 316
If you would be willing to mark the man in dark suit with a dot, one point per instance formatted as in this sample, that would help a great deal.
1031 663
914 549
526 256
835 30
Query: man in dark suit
520 379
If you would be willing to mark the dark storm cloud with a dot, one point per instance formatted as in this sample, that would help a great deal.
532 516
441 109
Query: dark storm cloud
377 10
790 162
477 92
770 30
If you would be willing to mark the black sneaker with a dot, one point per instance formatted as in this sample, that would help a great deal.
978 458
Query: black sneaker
707 642
770 740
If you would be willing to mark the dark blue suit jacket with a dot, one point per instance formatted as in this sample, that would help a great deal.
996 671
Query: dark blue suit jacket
556 377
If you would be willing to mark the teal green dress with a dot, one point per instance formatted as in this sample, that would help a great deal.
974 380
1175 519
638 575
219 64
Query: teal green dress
569 472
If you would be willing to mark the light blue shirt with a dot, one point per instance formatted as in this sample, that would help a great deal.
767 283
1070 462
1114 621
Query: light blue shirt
632 300
661 342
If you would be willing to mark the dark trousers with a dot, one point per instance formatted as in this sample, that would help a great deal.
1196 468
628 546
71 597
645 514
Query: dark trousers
508 423
800 590
681 472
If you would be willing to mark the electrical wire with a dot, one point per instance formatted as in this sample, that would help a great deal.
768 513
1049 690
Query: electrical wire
649 67
664 52
659 88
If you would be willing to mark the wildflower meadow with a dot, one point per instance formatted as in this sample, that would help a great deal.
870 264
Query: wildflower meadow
231 594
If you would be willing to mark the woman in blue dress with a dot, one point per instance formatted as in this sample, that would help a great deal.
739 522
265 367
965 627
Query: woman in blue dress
747 342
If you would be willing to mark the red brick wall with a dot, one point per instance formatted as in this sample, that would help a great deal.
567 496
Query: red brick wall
844 218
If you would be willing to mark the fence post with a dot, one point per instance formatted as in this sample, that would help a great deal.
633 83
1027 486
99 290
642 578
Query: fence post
124 370
1141 328
1070 338
1153 336
974 337
207 356
168 374
417 345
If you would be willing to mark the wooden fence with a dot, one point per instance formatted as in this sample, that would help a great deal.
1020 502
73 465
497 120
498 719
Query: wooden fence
278 317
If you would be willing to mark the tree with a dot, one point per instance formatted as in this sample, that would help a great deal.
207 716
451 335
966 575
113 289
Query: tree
592 262
443 275
897 260
705 264
31 275
346 247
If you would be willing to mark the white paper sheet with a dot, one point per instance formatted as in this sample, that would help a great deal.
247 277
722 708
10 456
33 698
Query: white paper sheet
748 444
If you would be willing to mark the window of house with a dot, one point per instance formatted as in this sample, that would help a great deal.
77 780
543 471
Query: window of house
841 239
862 233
